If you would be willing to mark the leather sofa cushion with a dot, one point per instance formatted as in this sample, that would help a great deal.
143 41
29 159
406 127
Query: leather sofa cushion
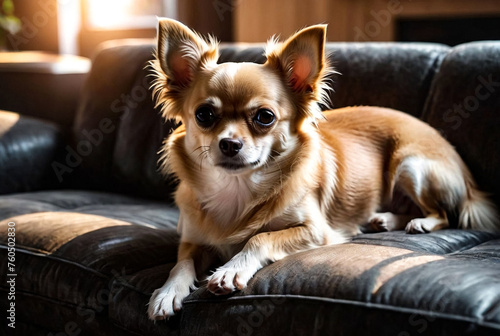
386 283
95 258
74 247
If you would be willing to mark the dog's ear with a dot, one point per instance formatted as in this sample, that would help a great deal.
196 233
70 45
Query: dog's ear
181 52
301 61
301 57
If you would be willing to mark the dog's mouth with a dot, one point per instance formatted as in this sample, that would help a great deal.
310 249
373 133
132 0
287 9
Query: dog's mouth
236 166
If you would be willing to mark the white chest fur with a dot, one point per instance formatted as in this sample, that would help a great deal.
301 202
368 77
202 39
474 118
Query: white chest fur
226 197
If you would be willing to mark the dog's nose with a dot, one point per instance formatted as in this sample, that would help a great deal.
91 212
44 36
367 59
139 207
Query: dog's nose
230 147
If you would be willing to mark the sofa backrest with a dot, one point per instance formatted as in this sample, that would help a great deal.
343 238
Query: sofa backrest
118 121
464 105
395 75
116 106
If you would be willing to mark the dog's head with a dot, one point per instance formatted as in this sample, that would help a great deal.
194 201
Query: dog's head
238 116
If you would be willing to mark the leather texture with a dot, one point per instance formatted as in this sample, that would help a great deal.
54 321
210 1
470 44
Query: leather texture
28 146
88 258
468 115
77 247
127 132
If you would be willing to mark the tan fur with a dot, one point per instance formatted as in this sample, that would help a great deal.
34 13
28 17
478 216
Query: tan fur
305 180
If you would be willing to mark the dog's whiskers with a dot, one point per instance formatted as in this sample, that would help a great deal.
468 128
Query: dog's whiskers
276 163
201 148
203 154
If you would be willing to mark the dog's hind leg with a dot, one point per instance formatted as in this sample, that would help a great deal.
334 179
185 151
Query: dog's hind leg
435 186
432 222
400 211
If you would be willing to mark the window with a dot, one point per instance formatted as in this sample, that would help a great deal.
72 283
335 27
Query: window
127 14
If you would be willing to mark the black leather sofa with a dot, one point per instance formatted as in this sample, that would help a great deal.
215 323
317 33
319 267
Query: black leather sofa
95 227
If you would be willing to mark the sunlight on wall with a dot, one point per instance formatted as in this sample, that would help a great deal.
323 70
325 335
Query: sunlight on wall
108 13
116 14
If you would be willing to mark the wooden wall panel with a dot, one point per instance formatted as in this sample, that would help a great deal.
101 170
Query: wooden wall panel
348 20
257 20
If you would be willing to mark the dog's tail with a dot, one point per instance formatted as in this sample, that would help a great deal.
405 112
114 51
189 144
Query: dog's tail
477 212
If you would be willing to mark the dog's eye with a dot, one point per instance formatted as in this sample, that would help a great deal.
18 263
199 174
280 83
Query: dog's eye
205 116
264 117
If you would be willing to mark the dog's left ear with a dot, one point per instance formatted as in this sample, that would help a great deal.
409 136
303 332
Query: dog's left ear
301 58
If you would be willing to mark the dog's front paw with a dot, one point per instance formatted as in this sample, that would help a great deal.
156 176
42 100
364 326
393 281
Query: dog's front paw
227 280
381 222
166 301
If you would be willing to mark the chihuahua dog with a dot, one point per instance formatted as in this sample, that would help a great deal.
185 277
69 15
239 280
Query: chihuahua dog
264 173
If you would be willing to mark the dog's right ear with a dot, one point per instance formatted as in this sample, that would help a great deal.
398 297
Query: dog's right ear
180 54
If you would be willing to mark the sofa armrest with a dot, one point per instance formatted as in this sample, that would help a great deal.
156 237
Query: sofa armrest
28 147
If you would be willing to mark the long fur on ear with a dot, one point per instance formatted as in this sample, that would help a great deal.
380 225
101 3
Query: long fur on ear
181 53
302 62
